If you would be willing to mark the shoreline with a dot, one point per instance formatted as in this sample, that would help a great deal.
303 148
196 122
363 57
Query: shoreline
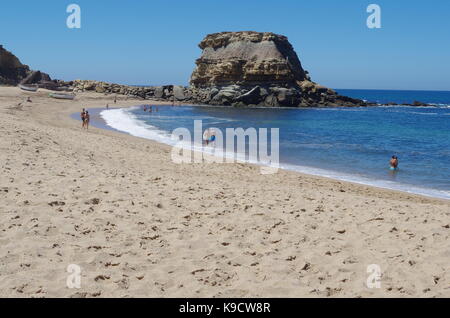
139 225
100 122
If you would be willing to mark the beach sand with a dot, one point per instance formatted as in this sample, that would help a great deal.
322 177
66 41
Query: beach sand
139 225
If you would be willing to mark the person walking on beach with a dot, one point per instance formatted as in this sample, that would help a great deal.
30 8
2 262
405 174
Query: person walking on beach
87 119
393 163
83 118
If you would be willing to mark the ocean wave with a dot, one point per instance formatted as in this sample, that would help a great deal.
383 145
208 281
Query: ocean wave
415 113
342 109
124 120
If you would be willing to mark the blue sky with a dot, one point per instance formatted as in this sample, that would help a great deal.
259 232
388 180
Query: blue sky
155 42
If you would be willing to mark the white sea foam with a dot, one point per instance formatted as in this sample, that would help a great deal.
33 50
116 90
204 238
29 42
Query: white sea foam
124 120
384 184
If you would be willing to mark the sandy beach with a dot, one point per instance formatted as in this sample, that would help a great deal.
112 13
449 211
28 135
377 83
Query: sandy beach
139 225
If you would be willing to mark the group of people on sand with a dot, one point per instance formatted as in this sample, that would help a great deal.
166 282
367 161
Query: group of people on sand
85 118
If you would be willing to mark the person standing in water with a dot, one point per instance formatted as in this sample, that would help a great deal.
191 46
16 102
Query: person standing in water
393 163
206 136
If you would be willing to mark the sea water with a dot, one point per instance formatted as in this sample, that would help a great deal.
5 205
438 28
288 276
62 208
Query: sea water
351 144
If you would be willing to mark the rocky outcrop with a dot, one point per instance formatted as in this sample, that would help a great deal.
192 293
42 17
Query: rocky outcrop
164 93
256 69
246 58
13 72
36 77
239 69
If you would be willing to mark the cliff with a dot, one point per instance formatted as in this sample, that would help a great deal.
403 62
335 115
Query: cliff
254 68
13 72
246 58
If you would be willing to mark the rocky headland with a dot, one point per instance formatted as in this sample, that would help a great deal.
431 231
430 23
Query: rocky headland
235 69
13 72
256 69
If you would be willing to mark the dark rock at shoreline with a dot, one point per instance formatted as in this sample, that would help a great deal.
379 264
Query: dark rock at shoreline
179 93
417 103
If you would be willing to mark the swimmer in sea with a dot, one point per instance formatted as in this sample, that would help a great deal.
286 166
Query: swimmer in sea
393 163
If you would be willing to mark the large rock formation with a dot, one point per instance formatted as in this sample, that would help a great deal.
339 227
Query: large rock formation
246 58
252 68
13 72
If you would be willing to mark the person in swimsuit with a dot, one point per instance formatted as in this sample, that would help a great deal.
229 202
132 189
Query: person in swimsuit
86 119
83 118
393 163
206 136
213 136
